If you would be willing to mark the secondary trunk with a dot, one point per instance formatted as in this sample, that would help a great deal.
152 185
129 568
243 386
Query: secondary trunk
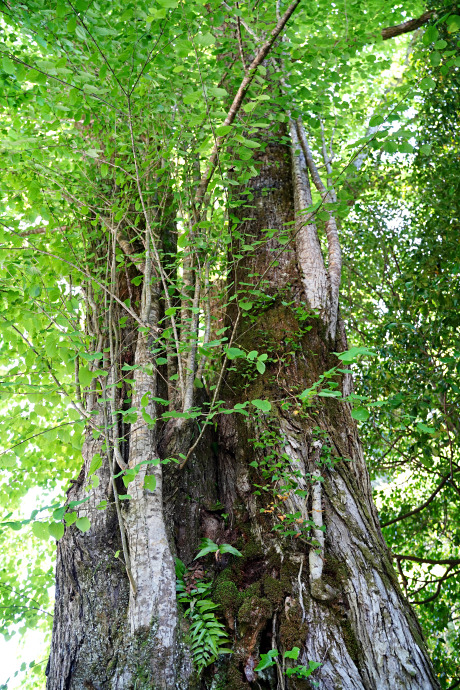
267 483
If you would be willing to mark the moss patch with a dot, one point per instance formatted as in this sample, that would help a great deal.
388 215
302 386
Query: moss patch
292 631
349 637
274 589
227 596
254 609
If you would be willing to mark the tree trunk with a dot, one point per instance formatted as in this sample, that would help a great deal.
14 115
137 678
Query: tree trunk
333 593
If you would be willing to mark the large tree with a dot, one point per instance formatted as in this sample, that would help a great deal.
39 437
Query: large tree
172 218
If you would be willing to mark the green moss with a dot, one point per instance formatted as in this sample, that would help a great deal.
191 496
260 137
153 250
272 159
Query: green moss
335 572
349 637
274 558
273 589
225 575
253 590
227 596
254 609
292 630
252 550
235 680
289 571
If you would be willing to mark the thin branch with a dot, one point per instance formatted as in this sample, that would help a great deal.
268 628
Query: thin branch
124 542
447 575
216 393
243 23
41 231
430 561
420 507
194 328
240 45
80 21
78 268
156 255
61 388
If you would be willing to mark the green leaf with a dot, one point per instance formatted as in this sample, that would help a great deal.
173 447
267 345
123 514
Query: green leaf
183 240
150 482
293 654
330 394
263 405
246 305
70 518
96 463
234 352
223 130
191 98
360 413
8 65
72 24
205 551
430 35
260 366
58 514
427 84
376 120
216 91
405 147
227 548
267 660
56 530
453 23
207 546
85 376
205 39
41 530
425 429
354 352
83 524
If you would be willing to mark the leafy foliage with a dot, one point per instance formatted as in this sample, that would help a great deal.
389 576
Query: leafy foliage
208 636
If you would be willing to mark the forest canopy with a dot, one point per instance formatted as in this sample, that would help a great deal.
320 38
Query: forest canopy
134 139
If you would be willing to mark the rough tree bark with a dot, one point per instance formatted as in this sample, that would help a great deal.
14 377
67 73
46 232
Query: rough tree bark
333 593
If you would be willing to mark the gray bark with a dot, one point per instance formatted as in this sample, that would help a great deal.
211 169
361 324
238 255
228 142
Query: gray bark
338 599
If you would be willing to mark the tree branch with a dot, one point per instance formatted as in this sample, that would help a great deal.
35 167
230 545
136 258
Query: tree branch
430 561
333 244
447 575
238 100
420 507
407 27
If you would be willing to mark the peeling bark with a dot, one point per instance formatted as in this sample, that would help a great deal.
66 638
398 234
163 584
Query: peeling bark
309 254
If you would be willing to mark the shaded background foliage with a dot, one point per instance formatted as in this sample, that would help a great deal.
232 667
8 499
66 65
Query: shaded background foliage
402 291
